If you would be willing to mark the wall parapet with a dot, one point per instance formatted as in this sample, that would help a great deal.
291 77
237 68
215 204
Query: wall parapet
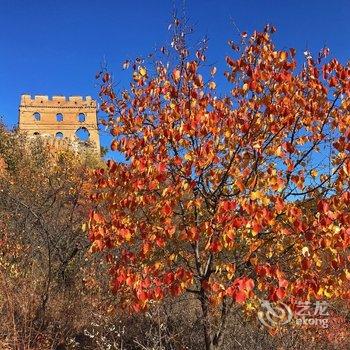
56 100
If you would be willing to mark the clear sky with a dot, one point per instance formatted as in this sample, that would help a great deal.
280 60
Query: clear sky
55 47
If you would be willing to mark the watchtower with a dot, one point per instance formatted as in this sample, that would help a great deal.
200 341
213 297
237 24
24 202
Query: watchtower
63 120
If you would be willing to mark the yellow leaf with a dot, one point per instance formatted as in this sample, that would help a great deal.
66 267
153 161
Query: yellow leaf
327 293
143 71
345 275
172 257
249 306
265 200
314 173
185 185
320 292
158 265
318 262
279 151
212 85
256 195
188 157
218 269
283 56
127 236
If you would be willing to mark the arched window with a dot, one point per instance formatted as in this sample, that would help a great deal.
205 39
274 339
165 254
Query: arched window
82 134
36 116
36 133
59 135
59 117
81 118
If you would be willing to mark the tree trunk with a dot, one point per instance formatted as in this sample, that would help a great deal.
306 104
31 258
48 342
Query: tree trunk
206 322
213 340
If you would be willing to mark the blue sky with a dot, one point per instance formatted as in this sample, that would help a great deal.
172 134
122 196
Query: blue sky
55 47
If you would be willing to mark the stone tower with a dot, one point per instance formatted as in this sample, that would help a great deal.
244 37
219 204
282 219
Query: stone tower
63 120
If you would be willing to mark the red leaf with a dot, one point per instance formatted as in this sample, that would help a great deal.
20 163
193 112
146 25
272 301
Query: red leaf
323 206
106 77
333 81
169 278
142 295
162 167
215 246
228 205
305 263
167 210
279 205
262 270
240 297
280 293
288 147
158 293
248 284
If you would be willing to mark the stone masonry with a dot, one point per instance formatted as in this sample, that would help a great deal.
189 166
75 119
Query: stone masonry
64 120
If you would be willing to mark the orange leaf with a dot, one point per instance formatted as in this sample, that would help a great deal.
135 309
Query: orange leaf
240 297
176 75
141 295
346 168
333 82
114 145
167 210
280 293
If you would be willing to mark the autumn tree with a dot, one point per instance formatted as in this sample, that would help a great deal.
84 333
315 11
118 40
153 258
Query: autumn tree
232 193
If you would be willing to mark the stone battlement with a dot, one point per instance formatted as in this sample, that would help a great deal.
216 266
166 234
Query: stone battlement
57 101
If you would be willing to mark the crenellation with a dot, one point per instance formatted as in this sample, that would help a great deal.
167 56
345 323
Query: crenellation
75 98
25 98
59 98
41 98
58 101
